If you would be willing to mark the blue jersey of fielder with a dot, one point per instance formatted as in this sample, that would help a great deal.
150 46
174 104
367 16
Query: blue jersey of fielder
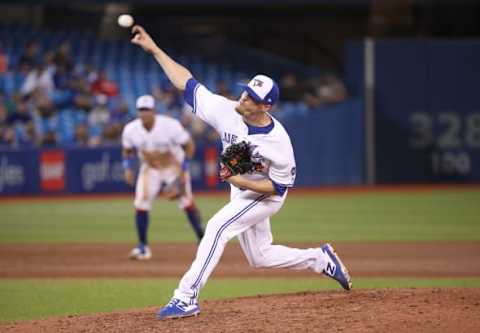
272 145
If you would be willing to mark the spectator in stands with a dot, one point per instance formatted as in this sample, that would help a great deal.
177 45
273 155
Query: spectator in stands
11 103
110 135
44 106
292 90
3 112
31 137
88 73
62 78
331 89
7 138
3 100
98 118
20 121
20 114
39 78
48 122
49 63
157 93
327 89
49 138
3 61
29 58
222 89
63 58
104 86
119 116
311 98
83 101
81 137
3 120
170 99
80 84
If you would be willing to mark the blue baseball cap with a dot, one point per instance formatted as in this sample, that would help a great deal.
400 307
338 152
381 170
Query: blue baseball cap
262 89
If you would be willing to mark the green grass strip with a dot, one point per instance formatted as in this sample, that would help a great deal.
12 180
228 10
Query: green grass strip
37 299
390 216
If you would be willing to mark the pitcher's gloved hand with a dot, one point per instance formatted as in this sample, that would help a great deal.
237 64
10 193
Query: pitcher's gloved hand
236 159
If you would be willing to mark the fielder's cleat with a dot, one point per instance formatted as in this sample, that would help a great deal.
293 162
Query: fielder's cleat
141 252
178 309
336 269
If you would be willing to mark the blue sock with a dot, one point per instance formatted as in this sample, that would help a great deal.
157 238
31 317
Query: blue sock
195 220
141 219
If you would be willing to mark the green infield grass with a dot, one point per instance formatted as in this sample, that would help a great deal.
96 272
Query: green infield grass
368 216
360 217
36 299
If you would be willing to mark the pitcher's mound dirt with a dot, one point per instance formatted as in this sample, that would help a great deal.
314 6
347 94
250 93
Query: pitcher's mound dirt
392 311
395 310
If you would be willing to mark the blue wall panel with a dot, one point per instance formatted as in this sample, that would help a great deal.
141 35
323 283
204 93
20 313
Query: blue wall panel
401 89
328 145
354 59
454 110
427 111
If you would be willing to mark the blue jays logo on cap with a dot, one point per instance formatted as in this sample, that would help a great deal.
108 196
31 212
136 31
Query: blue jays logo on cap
257 83
262 89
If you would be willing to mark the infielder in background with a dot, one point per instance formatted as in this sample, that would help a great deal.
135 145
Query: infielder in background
254 197
165 150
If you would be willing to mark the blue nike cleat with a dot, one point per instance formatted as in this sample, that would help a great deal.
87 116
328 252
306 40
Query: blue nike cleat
336 269
178 309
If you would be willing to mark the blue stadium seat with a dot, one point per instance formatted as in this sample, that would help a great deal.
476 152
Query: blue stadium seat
134 71
66 126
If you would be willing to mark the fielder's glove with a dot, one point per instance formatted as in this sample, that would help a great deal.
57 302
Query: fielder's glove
236 159
176 189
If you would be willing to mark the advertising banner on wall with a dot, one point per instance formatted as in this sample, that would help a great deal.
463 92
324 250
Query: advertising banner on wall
95 170
19 172
52 170
101 170
88 170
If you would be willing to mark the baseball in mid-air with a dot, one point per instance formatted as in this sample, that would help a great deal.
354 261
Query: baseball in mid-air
125 20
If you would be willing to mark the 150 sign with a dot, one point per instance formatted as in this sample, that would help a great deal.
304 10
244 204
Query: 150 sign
450 136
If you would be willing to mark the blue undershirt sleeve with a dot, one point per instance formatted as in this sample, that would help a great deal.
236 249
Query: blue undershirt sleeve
279 188
189 91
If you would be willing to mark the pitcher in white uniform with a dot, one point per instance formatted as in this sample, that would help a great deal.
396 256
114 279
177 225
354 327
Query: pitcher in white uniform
254 198
165 150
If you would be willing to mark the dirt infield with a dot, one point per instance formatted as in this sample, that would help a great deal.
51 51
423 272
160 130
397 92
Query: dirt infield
398 310
407 310
172 260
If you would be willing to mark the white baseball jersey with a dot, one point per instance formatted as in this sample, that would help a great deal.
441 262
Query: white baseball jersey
167 135
247 215
273 148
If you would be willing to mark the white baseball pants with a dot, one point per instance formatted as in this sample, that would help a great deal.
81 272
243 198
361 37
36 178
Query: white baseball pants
248 218
151 181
